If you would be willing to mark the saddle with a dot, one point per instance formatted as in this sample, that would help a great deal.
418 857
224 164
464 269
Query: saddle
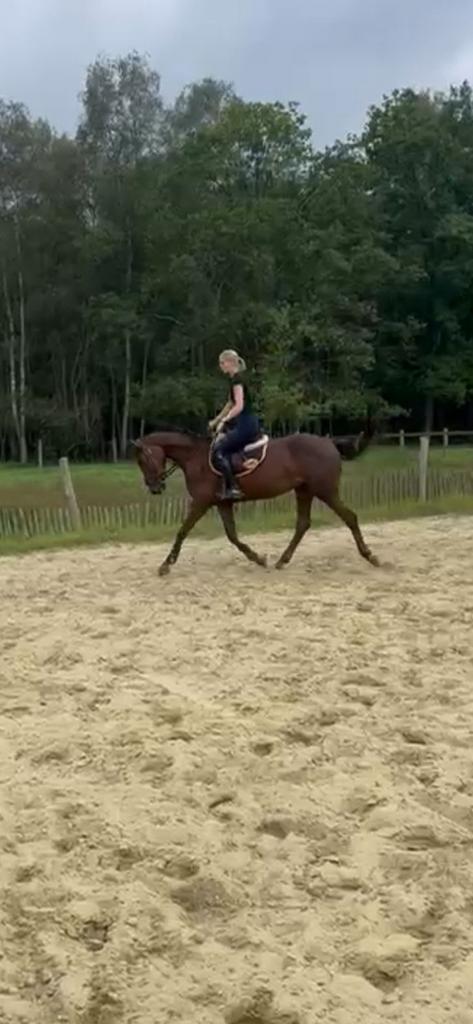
246 461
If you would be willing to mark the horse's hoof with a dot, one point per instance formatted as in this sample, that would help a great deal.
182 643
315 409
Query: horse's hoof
374 561
164 570
263 562
280 565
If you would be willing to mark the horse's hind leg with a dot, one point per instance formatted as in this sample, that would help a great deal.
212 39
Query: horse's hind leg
351 520
304 503
228 520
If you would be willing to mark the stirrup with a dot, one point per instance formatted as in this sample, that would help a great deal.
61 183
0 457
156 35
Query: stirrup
233 493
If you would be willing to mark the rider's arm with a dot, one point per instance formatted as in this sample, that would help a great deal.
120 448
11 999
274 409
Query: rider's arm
221 416
238 403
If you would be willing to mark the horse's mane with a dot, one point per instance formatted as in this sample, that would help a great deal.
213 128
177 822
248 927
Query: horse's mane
173 428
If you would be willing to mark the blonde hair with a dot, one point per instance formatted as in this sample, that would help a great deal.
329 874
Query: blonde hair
229 353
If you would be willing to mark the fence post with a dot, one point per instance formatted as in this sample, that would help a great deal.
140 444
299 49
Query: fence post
445 437
40 452
402 439
70 494
423 466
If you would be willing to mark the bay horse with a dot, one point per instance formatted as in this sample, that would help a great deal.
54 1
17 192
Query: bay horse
304 463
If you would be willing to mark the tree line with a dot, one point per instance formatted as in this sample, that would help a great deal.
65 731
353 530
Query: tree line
131 254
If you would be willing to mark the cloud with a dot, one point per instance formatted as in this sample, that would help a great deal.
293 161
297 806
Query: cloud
335 57
461 66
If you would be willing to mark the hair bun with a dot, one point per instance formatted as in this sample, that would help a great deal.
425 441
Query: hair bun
231 353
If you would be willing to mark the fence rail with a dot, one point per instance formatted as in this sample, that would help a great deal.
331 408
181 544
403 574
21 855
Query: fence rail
445 436
381 490
399 436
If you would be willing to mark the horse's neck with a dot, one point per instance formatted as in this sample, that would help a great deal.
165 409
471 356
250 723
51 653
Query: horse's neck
185 451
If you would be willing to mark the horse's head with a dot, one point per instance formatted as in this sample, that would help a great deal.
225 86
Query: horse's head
152 462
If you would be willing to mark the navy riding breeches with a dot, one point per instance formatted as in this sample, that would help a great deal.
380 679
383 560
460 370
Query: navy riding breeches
245 430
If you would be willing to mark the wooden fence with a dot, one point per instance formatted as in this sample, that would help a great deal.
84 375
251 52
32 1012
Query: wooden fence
400 437
381 490
445 436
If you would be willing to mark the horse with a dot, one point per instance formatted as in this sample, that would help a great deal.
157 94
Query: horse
307 464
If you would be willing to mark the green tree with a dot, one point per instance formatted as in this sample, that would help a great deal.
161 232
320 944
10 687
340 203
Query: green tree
133 253
198 105
23 144
119 134
419 149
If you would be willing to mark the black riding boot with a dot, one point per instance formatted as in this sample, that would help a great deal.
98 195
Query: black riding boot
230 490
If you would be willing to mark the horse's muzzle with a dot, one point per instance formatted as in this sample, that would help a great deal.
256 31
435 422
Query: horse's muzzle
158 488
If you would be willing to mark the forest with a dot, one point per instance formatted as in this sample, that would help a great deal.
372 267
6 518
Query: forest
133 252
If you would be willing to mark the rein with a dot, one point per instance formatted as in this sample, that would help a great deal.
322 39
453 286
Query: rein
169 471
166 472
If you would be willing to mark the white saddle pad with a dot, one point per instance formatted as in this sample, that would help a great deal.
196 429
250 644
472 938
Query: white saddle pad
256 444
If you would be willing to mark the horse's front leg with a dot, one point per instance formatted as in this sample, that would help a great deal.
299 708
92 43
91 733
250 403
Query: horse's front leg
228 520
195 513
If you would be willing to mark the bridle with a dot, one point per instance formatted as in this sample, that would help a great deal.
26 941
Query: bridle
148 453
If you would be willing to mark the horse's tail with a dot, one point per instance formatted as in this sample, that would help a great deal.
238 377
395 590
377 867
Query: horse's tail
351 447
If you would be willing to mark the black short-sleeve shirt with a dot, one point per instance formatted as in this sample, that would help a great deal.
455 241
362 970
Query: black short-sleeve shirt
238 379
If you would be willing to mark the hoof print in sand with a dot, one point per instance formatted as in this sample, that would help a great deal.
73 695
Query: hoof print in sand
260 1009
262 748
279 828
180 866
95 935
384 961
203 897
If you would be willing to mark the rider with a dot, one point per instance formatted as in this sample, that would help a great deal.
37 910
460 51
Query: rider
237 419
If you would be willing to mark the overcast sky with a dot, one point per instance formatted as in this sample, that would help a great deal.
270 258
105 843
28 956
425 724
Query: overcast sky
335 57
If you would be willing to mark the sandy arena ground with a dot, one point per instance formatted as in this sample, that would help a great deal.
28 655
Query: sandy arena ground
236 795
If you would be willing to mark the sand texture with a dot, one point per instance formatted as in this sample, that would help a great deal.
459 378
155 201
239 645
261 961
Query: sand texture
237 796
